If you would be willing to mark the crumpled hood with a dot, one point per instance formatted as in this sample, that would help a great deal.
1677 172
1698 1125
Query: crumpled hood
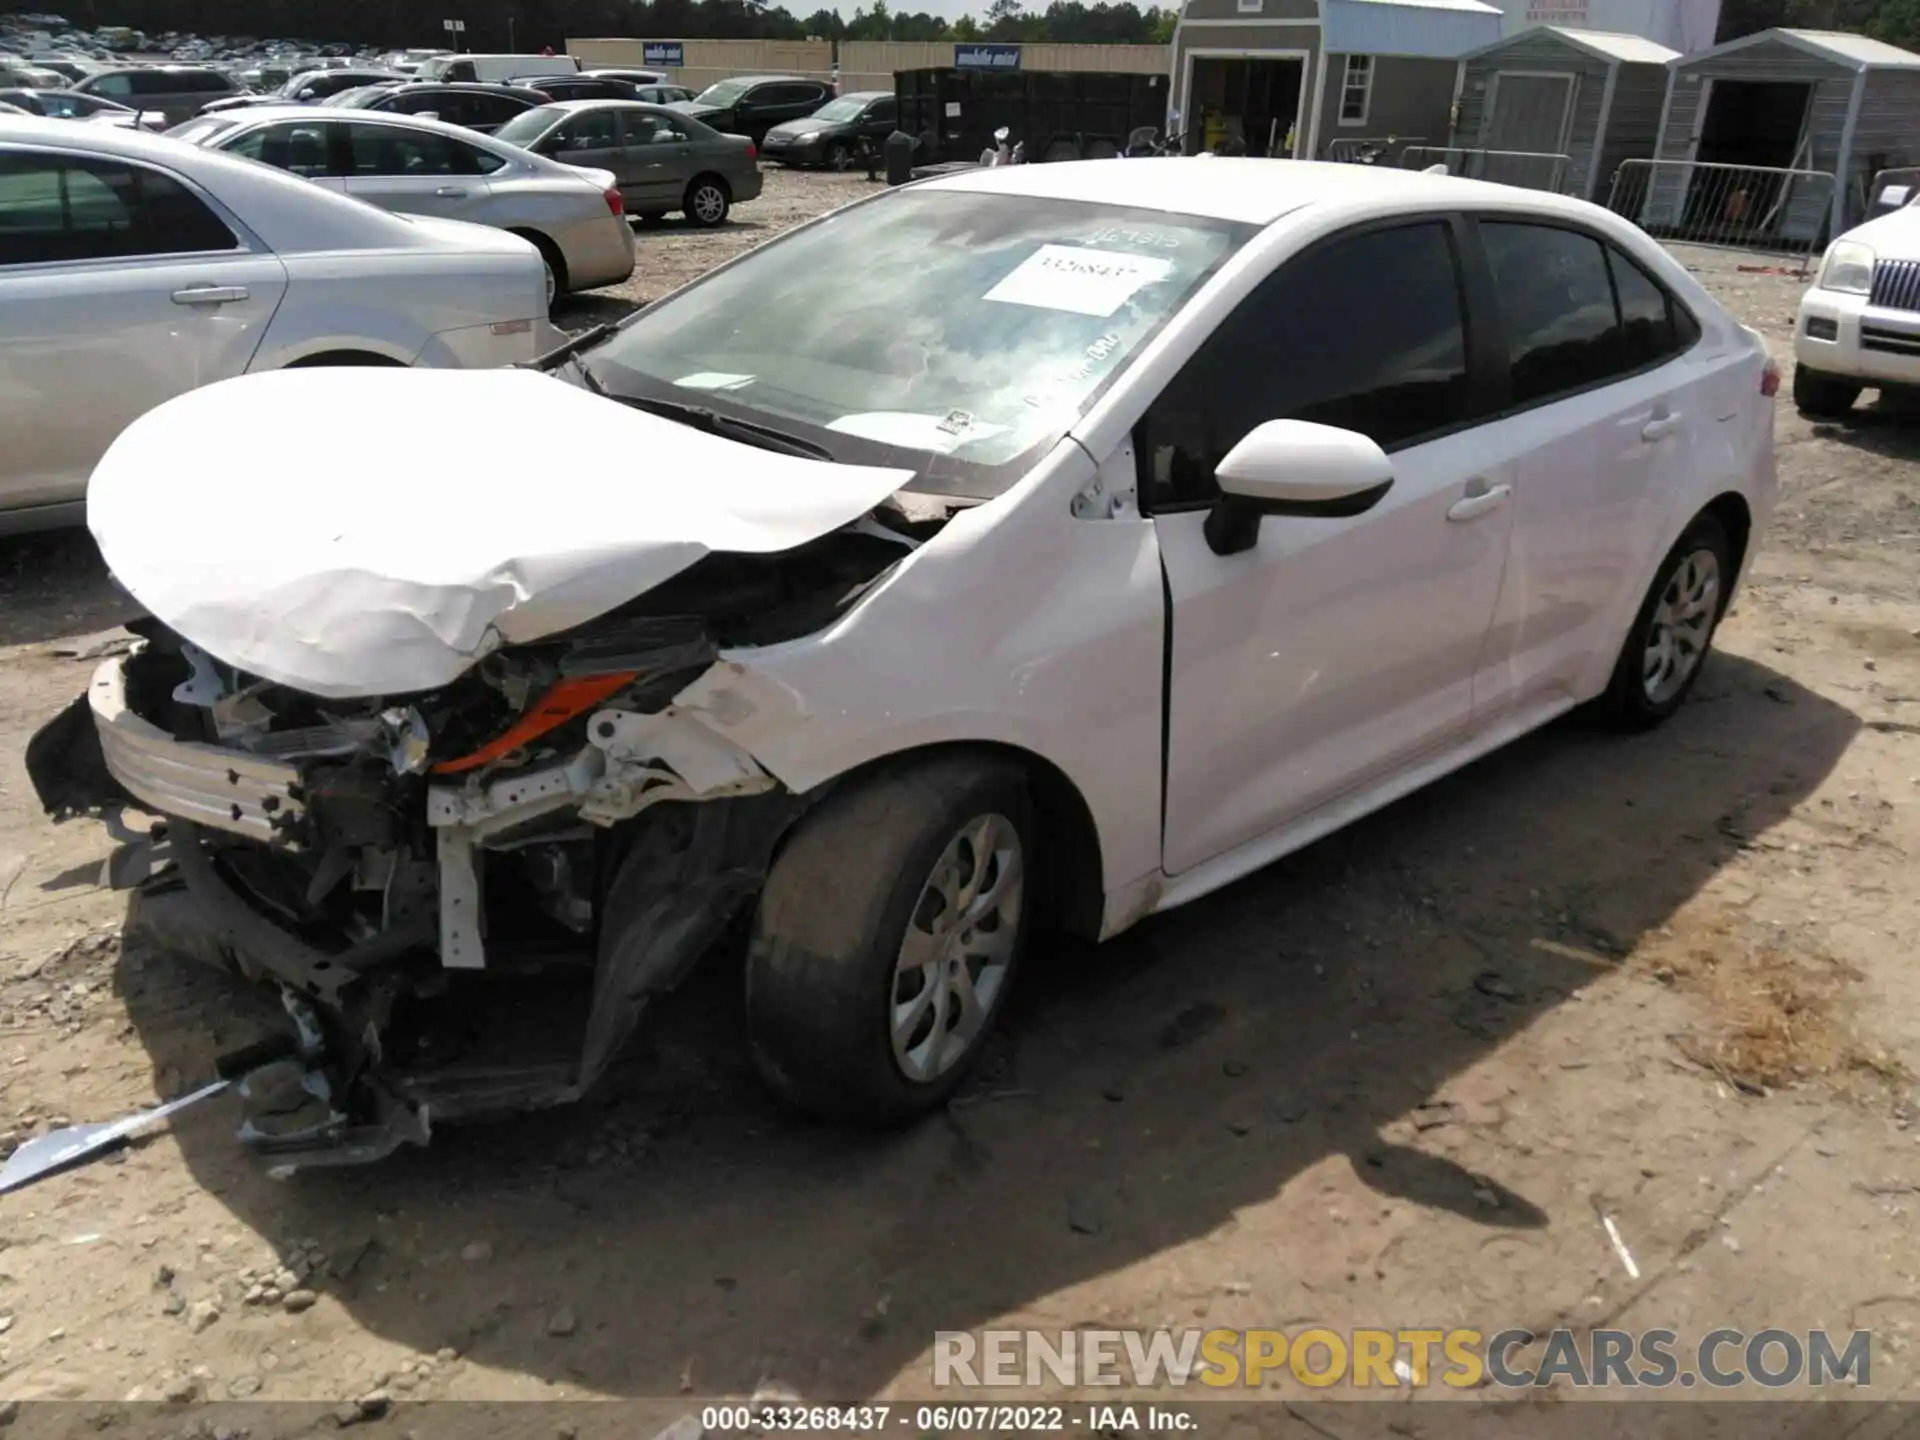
354 532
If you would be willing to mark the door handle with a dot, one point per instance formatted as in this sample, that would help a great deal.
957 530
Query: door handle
1659 427
1483 500
451 192
209 294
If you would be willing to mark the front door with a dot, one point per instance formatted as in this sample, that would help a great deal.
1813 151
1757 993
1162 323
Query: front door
656 159
1336 650
119 289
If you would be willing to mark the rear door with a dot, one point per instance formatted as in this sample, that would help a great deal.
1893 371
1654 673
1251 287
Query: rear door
417 172
1603 422
120 286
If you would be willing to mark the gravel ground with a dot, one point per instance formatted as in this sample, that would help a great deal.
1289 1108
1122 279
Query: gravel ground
1392 1080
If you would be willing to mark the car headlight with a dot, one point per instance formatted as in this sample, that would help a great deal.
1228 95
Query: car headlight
1848 268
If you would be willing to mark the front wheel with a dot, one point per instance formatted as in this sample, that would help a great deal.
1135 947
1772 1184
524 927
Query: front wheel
839 157
1673 630
887 937
1822 397
708 202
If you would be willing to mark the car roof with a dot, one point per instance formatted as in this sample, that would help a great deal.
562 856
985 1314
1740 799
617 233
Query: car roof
1248 189
773 79
606 103
866 95
321 114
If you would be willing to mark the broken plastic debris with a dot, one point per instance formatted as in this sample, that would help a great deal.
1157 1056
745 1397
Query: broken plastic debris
60 1148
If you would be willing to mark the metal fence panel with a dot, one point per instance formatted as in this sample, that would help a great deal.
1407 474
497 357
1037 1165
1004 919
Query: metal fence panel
1738 207
1527 169
1386 149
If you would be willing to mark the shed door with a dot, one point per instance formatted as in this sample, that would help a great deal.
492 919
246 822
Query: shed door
1528 115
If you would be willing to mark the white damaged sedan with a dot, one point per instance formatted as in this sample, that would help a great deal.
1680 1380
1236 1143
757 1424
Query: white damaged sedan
1112 531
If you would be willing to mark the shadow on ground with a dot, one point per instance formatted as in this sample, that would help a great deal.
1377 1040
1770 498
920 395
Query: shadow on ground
1140 1095
53 585
1888 427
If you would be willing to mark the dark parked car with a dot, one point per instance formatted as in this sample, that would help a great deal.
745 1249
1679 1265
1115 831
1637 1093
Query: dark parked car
176 91
751 105
472 104
579 87
309 87
831 135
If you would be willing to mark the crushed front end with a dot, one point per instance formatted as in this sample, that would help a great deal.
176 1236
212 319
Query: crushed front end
402 868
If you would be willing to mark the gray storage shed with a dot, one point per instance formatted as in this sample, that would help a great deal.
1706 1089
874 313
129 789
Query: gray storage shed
1591 95
1816 100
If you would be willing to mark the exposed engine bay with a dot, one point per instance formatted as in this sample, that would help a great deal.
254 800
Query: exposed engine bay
551 818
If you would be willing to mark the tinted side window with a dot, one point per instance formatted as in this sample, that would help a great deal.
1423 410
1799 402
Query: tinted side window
208 81
69 208
152 82
1649 318
1556 301
881 110
459 70
300 147
472 160
112 85
388 150
596 130
1366 332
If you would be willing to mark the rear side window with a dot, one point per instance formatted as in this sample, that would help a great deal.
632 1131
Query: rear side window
596 130
1366 332
1653 325
459 70
1556 300
387 150
56 208
112 85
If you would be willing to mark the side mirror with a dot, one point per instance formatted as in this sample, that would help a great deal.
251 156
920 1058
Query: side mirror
1294 468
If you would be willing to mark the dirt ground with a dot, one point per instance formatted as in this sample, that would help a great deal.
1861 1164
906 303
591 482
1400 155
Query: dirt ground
1394 1080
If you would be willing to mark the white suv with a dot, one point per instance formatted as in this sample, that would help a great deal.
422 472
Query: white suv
1860 323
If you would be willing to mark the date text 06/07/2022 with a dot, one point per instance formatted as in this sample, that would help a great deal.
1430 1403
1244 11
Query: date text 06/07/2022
947 1419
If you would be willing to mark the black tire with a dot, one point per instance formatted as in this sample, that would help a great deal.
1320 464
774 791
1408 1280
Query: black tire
555 261
839 157
824 963
1632 701
707 201
1822 397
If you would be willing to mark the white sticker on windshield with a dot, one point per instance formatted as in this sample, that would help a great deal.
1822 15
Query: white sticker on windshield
1895 194
714 380
1085 282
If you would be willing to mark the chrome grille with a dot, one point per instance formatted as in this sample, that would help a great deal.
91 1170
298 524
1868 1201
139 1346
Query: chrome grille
1896 285
1893 342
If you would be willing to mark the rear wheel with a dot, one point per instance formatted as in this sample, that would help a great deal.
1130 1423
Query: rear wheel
1824 397
556 264
708 201
887 937
1673 630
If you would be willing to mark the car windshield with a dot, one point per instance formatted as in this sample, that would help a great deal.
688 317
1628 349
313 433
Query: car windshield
979 328
724 93
529 125
840 110
63 106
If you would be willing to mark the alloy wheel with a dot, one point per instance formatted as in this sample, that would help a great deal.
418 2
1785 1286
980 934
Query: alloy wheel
960 942
1682 625
709 205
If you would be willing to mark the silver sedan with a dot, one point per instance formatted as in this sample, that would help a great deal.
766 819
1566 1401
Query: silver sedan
574 215
663 160
133 269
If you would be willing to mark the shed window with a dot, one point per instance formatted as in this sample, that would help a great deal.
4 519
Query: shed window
1356 89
